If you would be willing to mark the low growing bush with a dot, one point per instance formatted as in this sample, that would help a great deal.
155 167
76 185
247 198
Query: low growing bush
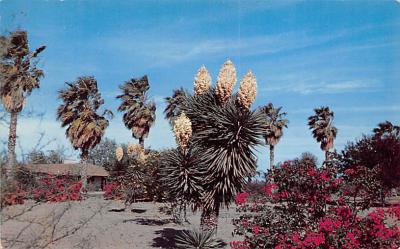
305 208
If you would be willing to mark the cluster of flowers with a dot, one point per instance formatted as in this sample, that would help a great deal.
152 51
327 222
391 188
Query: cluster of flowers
304 208
48 188
14 198
54 189
113 191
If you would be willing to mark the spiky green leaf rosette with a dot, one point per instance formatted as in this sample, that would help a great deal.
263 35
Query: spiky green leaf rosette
182 175
225 137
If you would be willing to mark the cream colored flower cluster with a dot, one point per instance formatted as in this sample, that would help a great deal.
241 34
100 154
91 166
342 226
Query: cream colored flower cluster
247 90
202 81
226 80
134 149
119 153
225 83
182 130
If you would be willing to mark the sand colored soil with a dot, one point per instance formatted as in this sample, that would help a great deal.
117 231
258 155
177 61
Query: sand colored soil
101 223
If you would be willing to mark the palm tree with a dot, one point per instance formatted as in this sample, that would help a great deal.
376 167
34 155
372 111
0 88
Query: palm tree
172 110
18 77
140 114
85 127
322 128
276 121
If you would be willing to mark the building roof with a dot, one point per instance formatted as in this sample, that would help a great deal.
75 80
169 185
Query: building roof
66 169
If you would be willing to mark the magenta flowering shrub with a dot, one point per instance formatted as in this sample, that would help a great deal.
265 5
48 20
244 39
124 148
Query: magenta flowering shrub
113 191
54 189
47 188
305 208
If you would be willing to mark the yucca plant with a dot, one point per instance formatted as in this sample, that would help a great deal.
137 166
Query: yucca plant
322 128
139 113
225 134
19 75
182 172
182 177
79 113
198 239
276 121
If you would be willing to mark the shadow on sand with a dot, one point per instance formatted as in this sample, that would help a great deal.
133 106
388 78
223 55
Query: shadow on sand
137 210
165 238
149 222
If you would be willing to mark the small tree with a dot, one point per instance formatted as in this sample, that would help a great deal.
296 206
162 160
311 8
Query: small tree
225 133
372 164
139 113
322 128
276 121
78 112
182 171
18 77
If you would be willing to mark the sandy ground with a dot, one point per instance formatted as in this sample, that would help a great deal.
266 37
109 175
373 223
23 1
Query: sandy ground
101 224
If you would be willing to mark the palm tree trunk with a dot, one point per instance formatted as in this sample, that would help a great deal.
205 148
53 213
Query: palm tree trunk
141 142
271 157
84 159
12 138
271 161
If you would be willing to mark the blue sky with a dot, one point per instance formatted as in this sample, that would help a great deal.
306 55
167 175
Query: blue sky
305 54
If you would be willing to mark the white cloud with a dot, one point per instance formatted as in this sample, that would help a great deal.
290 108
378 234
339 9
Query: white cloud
174 50
312 86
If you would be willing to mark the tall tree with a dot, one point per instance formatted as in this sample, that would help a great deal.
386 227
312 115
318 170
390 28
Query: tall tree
225 133
276 121
79 112
139 113
172 110
322 128
18 77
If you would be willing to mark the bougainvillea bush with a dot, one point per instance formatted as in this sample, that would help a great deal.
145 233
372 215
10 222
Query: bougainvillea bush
304 208
46 188
113 191
55 189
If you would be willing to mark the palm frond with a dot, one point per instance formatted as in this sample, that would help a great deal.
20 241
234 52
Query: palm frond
172 110
81 101
139 114
322 127
275 122
19 74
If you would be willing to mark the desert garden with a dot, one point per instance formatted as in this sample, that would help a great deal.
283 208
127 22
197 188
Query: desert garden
205 192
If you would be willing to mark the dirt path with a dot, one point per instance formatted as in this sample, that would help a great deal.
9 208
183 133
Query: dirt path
103 223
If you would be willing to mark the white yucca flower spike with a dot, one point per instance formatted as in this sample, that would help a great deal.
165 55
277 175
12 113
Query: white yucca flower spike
183 130
142 157
247 90
226 80
134 149
119 153
202 81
